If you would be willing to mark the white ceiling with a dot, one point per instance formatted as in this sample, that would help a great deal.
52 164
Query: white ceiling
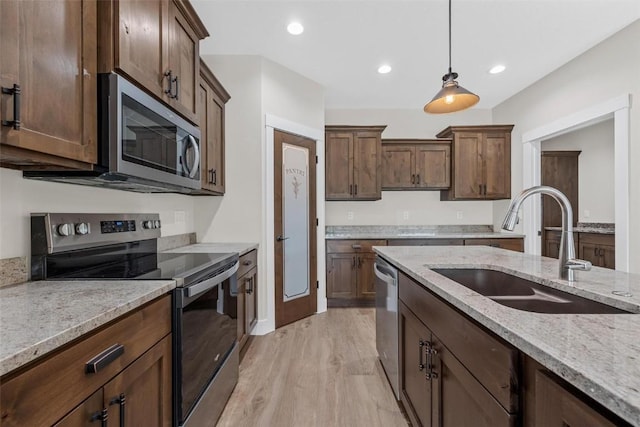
344 42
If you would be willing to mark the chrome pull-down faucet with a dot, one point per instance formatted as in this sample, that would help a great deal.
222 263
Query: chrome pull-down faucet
567 258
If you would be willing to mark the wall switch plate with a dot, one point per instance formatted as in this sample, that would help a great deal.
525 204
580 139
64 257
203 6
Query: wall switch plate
405 215
459 214
587 213
350 216
179 217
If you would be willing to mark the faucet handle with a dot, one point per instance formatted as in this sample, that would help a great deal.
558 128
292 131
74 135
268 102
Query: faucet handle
578 264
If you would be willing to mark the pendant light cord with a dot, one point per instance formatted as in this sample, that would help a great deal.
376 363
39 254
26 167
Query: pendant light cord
449 36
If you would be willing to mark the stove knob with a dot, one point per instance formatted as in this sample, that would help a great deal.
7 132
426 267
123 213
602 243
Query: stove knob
82 228
65 229
156 224
147 224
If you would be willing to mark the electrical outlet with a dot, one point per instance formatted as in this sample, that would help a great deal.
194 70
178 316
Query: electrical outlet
179 217
405 215
350 216
587 213
459 214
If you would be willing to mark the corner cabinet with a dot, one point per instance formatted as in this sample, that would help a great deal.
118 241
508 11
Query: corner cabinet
416 164
481 162
212 98
49 60
121 372
353 156
157 44
247 297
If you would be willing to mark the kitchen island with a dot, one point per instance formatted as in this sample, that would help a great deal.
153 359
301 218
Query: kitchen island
595 353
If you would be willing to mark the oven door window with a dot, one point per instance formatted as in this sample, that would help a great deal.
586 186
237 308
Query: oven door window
208 334
152 141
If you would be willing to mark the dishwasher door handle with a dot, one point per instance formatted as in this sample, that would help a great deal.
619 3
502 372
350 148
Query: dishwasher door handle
390 280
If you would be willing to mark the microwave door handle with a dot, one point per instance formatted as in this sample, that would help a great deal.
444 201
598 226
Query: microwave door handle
193 169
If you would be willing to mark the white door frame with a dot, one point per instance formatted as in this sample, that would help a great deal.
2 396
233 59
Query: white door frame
616 108
273 123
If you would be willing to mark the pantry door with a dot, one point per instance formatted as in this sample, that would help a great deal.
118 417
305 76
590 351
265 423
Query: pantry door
294 227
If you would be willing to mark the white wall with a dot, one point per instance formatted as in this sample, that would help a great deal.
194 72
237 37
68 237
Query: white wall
596 200
20 197
258 87
606 71
422 207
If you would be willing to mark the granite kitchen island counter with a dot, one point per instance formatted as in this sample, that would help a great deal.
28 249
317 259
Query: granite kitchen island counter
38 317
599 354
417 232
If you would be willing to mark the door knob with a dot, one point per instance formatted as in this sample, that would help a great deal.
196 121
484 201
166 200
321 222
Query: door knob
280 238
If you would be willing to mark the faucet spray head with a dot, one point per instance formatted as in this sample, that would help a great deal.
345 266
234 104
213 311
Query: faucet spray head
510 220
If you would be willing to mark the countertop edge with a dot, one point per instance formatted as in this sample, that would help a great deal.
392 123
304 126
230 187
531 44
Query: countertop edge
365 236
42 348
199 247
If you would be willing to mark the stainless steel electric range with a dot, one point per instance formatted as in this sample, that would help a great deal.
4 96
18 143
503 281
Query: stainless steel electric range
124 246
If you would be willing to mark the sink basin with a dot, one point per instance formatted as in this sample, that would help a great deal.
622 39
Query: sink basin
522 294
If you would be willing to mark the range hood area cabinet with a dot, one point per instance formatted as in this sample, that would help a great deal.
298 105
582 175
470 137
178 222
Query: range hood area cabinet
480 162
353 156
416 164
165 62
212 98
48 102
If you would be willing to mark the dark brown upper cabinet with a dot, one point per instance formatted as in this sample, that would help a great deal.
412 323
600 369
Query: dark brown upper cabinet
48 102
481 162
157 44
416 164
353 157
212 98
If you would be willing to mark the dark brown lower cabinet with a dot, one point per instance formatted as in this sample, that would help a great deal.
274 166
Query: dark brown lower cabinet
600 249
247 308
88 411
437 389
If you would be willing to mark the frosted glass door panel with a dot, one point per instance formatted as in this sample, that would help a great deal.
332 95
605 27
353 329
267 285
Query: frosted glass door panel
295 219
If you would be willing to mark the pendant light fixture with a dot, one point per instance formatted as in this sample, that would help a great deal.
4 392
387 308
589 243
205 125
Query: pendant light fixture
452 97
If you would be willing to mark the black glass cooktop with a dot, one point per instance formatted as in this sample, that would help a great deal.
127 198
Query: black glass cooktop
142 266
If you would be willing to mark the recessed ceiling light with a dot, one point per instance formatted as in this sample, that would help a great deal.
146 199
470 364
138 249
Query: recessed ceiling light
295 28
384 69
497 69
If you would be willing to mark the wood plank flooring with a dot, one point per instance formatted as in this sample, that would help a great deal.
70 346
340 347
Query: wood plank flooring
319 371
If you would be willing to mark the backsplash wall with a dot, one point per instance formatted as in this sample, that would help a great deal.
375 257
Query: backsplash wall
20 197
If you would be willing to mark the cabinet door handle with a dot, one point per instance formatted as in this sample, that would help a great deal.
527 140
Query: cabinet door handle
601 252
359 262
351 189
485 189
120 400
480 187
169 76
16 92
355 187
104 358
100 416
353 263
413 179
215 177
595 251
420 362
418 179
175 79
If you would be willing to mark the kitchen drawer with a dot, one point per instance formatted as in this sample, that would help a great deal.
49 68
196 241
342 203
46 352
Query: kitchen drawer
349 246
247 262
43 392
491 361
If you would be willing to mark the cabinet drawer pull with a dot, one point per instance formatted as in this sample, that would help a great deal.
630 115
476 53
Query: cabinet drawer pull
247 262
16 92
356 246
100 416
103 359
121 401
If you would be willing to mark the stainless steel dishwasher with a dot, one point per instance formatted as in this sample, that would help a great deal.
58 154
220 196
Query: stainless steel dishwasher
387 321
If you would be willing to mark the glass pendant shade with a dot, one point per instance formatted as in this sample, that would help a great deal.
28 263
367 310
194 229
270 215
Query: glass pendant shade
452 97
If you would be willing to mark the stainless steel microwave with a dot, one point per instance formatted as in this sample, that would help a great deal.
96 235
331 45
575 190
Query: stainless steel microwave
143 145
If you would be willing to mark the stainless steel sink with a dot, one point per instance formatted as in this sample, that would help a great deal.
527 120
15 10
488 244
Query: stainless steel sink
522 294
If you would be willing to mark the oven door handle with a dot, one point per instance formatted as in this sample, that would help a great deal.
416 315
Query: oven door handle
205 285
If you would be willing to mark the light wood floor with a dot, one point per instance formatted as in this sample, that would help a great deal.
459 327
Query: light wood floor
320 371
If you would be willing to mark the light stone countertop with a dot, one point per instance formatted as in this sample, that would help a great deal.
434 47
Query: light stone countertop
598 353
416 232
38 317
241 248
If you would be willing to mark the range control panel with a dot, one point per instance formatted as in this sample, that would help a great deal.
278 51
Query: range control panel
55 232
